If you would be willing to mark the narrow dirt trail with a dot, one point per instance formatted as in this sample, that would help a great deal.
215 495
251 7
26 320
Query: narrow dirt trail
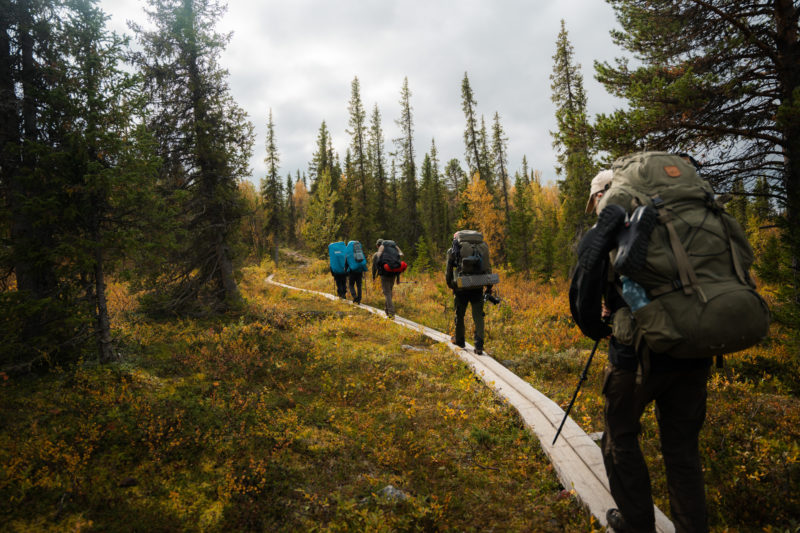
576 457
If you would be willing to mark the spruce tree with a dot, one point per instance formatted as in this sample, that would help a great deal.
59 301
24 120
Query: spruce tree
409 225
500 157
377 163
431 207
272 192
319 159
291 213
471 132
573 144
321 225
205 142
111 162
358 175
520 229
485 153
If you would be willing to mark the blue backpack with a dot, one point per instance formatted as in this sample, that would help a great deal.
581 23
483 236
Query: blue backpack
356 261
337 253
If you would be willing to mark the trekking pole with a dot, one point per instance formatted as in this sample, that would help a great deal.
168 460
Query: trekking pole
580 382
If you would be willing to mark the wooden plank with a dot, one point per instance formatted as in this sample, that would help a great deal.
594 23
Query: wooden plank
576 458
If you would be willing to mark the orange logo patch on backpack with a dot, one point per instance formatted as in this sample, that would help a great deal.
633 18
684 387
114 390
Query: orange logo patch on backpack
672 171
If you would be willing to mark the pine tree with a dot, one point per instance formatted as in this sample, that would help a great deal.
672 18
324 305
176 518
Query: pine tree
573 142
721 79
205 142
409 221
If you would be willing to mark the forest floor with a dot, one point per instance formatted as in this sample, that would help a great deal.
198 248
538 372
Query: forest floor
302 414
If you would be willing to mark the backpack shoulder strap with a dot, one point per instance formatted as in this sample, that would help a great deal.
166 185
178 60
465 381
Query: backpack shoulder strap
686 274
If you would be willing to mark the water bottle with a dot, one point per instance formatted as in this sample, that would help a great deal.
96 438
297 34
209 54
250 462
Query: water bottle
633 294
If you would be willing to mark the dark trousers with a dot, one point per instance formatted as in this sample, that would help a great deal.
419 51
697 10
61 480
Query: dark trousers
341 285
354 282
473 297
680 399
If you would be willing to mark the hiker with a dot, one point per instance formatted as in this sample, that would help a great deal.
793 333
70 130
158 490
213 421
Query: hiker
356 266
469 256
658 188
337 255
388 264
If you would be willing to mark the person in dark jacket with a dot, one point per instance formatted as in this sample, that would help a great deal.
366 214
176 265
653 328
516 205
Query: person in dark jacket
632 380
473 297
388 279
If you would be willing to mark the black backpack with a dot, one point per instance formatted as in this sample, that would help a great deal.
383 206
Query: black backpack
389 261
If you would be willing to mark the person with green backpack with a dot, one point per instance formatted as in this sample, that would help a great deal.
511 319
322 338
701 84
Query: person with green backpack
677 290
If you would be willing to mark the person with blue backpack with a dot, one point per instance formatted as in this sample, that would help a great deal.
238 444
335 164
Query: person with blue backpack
337 255
356 266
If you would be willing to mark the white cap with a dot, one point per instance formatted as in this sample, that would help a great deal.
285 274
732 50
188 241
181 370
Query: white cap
599 184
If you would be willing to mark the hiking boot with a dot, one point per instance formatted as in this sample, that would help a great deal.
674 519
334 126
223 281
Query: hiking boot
616 522
634 239
602 237
454 341
478 351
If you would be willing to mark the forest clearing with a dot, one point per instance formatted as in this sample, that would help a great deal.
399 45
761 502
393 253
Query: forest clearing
297 413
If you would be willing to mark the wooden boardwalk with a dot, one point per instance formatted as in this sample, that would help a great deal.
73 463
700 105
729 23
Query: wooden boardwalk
575 456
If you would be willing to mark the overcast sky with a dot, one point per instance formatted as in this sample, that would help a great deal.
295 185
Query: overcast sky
299 57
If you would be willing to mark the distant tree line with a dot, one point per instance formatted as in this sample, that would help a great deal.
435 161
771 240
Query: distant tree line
132 164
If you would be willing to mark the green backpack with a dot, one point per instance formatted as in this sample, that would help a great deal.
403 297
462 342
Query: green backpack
702 300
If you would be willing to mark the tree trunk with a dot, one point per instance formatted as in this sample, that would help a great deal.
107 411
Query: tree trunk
104 351
225 272
788 44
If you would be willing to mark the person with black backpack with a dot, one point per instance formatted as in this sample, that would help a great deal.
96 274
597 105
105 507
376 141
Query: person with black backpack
469 275
387 262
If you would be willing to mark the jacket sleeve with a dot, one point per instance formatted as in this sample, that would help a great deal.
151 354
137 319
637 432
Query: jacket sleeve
374 264
448 272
